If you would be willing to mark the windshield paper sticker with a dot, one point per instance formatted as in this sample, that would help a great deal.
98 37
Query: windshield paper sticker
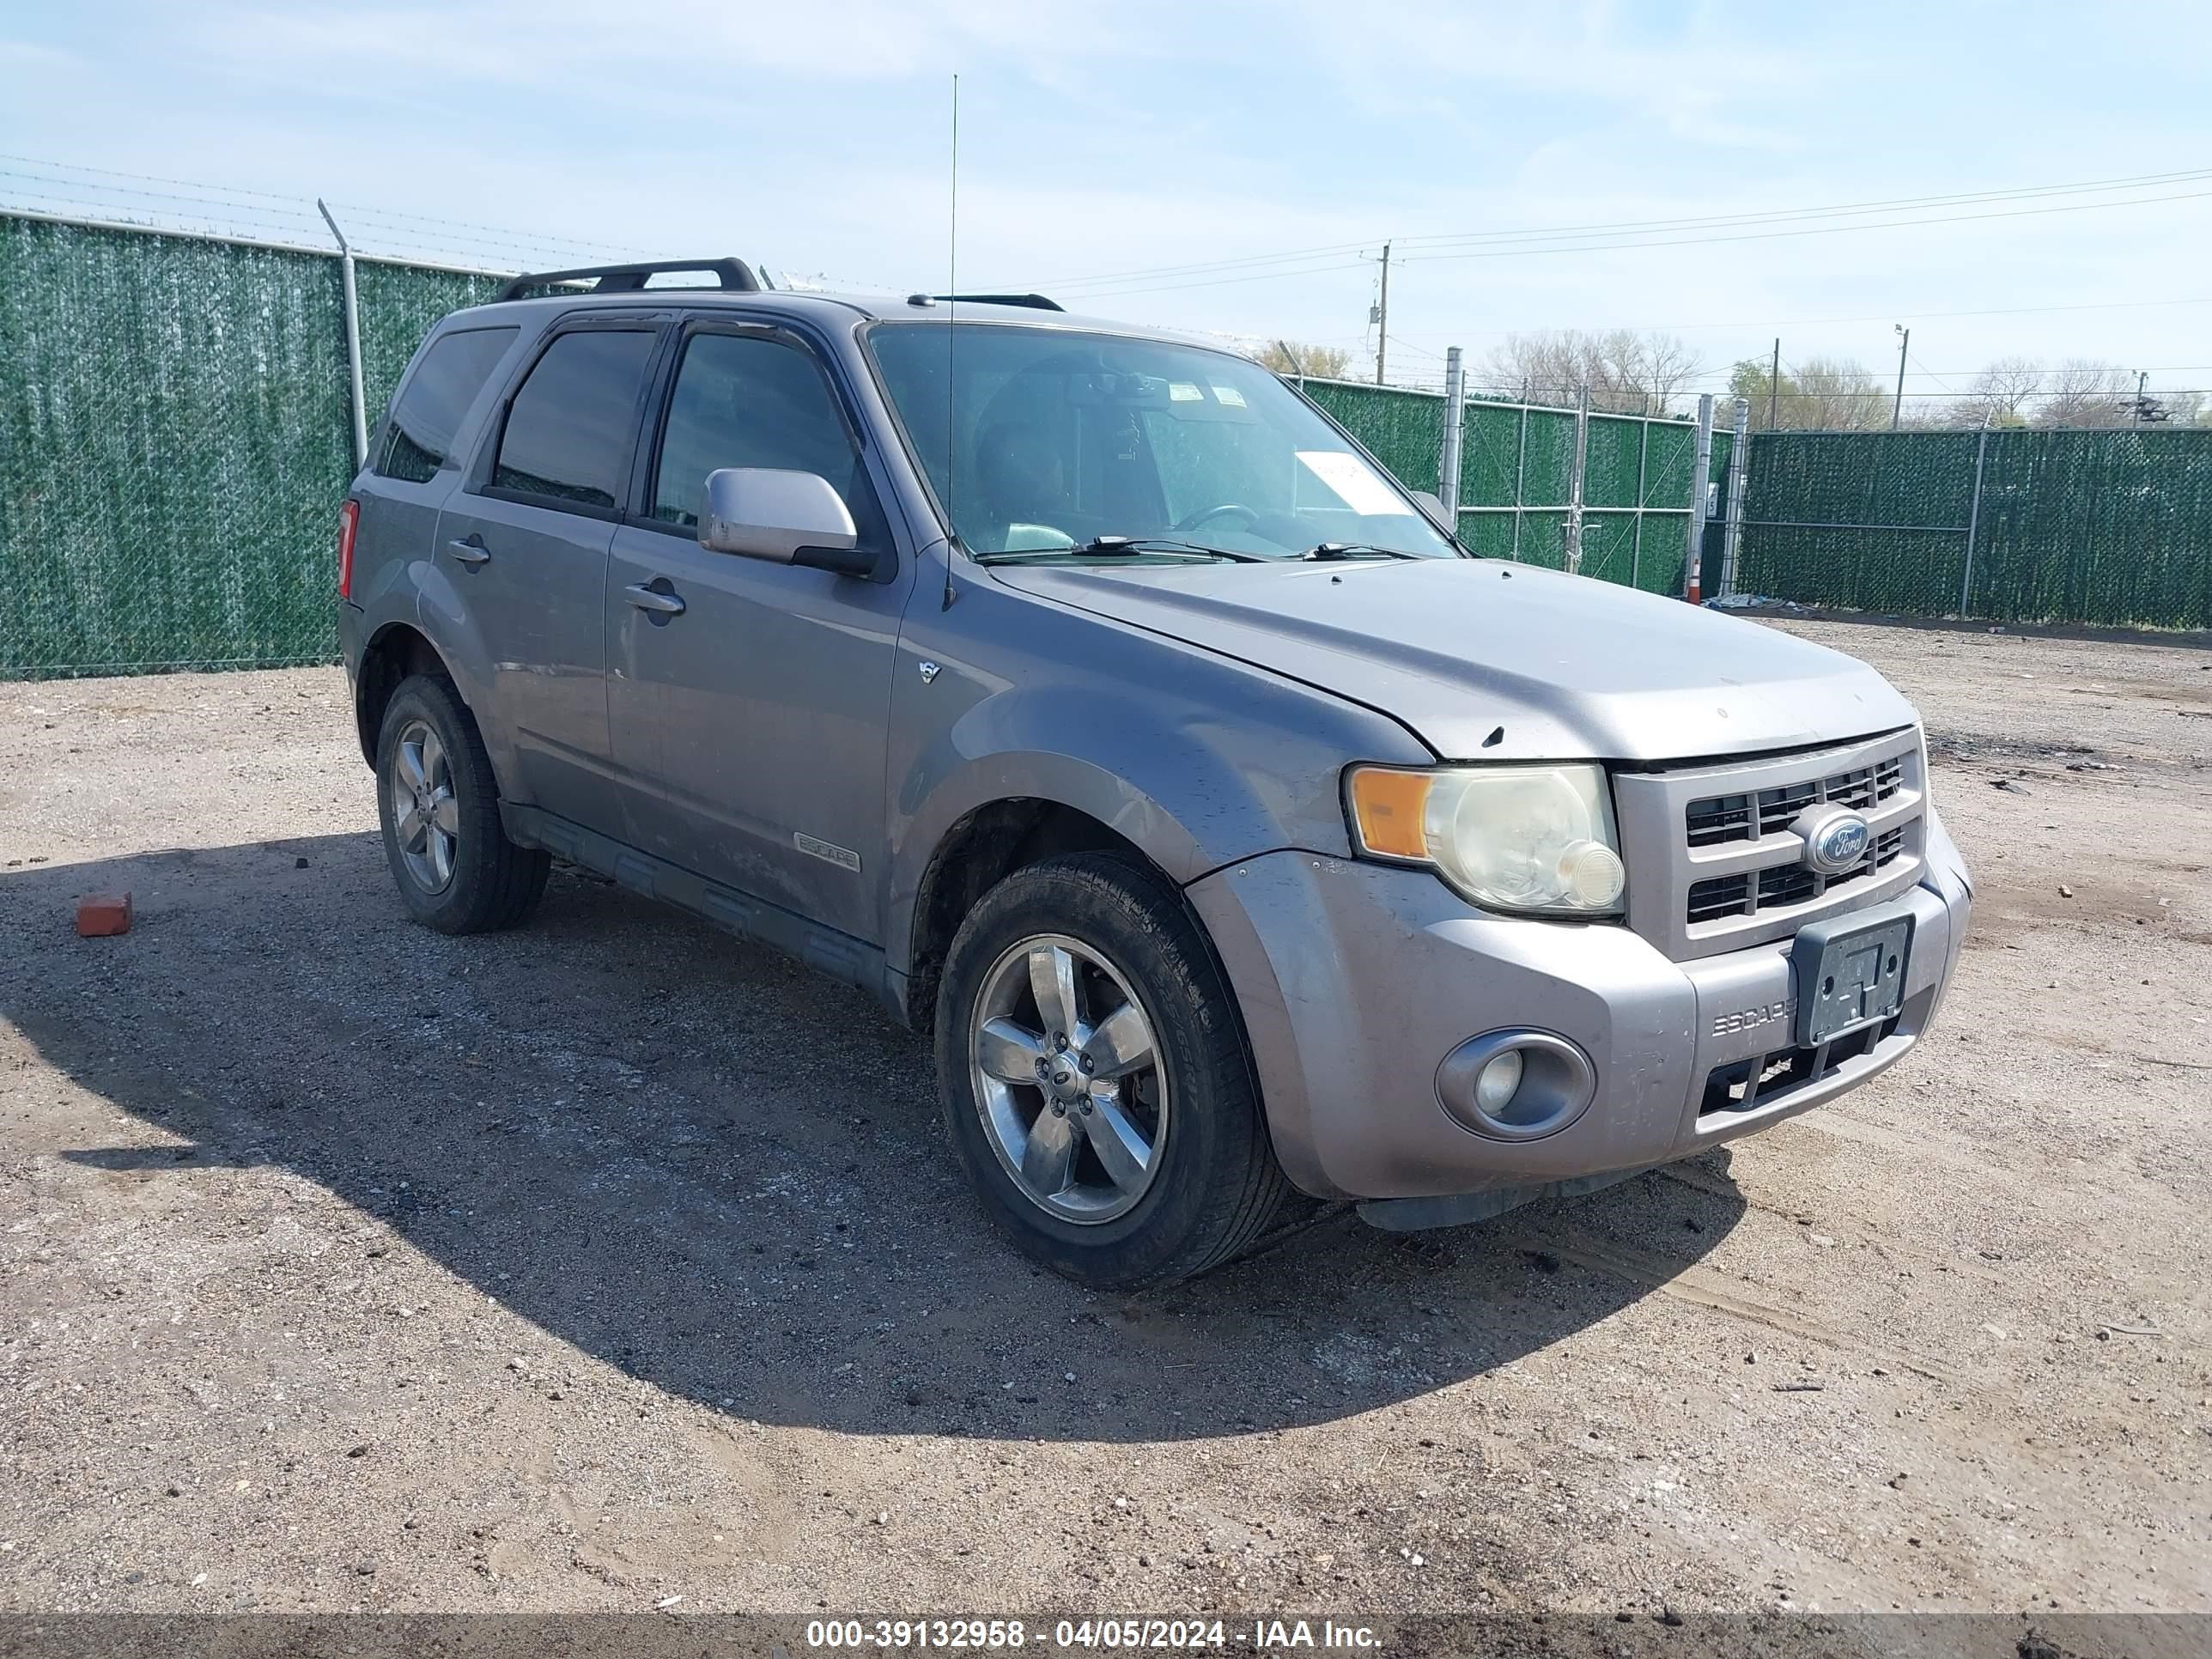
1354 485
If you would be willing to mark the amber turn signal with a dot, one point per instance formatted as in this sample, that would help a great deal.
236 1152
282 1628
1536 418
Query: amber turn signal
1387 808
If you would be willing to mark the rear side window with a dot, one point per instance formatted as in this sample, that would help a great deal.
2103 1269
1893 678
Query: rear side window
569 428
427 417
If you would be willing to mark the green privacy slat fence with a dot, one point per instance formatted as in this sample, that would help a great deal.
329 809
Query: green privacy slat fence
175 430
1517 478
2095 526
175 433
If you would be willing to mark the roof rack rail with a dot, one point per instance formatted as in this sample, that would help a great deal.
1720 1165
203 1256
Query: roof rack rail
1034 302
733 274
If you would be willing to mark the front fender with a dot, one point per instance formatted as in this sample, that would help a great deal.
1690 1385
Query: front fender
1196 759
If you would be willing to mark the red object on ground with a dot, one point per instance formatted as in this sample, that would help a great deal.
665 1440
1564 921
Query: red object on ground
102 915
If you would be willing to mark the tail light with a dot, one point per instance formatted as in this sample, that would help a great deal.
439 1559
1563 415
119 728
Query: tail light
349 521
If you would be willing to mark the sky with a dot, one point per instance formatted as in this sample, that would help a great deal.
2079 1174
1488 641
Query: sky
1164 163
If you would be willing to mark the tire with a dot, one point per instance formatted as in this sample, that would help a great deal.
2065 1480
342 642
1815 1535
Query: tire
484 882
1209 1186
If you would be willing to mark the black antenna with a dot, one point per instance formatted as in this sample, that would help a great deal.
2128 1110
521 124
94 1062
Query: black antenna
951 315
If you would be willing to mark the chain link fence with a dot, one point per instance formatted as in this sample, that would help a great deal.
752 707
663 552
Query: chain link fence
175 431
1522 494
2109 526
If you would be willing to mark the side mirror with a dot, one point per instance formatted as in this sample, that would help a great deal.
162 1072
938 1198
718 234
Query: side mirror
787 518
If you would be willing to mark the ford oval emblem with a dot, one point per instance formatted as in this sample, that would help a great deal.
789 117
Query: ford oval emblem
1837 842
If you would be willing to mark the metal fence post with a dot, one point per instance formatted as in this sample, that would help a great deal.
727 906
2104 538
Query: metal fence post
1643 460
1574 549
360 399
1973 519
1738 473
1454 418
1700 488
1520 473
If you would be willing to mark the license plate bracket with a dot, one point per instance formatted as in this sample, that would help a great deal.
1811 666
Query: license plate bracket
1849 973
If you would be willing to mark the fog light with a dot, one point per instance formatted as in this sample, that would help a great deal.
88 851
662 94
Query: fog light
1516 1084
1494 1085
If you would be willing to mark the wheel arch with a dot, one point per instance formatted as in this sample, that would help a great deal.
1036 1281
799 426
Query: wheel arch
396 651
982 847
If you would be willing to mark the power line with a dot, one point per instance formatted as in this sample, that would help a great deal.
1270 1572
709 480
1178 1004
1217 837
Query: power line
1812 230
1608 248
1782 215
1872 316
1692 222
1930 373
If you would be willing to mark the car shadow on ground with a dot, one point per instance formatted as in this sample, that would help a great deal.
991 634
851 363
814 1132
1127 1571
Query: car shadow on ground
707 1166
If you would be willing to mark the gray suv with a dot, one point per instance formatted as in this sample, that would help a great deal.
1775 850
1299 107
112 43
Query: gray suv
1091 698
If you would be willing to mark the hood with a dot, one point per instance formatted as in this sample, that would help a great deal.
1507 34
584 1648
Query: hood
1487 660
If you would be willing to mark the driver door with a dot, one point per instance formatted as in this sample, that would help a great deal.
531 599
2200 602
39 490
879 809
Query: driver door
749 700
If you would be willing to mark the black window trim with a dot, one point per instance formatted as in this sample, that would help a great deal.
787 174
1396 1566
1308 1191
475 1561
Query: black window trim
380 449
656 323
647 463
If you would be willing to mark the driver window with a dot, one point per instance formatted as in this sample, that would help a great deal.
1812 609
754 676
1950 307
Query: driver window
747 400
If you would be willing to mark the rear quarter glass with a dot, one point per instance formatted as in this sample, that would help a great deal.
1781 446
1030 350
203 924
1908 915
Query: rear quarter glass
426 417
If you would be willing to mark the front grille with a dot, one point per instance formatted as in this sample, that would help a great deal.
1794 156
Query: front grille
1718 819
1783 884
1715 864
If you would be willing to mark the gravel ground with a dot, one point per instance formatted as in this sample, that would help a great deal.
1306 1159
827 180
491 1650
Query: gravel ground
343 1265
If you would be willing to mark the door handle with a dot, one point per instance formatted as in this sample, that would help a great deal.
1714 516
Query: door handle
469 552
652 598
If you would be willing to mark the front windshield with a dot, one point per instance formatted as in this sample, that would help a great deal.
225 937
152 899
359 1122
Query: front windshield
1060 438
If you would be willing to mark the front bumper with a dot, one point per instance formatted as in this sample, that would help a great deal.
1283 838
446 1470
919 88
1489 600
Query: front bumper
1356 980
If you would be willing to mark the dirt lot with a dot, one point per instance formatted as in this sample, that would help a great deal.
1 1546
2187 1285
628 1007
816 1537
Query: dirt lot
344 1265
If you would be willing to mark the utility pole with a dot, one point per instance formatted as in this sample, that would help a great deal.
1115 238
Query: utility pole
1774 383
2142 378
1382 317
1903 345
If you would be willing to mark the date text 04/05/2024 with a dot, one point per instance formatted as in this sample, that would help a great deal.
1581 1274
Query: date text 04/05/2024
1106 1635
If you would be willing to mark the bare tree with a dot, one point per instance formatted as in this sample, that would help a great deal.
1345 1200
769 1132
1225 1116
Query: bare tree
2186 408
2000 395
2082 391
1291 357
1626 373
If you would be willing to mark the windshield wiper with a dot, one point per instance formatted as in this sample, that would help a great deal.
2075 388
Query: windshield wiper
1119 547
1354 551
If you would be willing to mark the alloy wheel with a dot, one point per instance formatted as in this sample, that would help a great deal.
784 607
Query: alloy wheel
1069 1078
425 816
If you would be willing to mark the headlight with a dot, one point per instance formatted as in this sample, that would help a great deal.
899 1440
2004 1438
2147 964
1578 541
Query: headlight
1534 839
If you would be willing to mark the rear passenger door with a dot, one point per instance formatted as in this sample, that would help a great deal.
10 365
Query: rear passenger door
415 466
749 699
521 560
